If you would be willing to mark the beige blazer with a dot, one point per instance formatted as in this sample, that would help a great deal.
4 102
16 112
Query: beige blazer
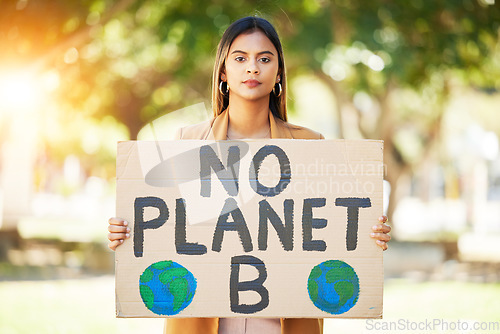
216 129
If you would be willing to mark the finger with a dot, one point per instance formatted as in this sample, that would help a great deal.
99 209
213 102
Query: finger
117 236
384 228
117 221
382 244
113 244
381 236
383 219
118 229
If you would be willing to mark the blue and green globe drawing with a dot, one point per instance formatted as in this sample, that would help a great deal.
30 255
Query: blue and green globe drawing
167 288
333 286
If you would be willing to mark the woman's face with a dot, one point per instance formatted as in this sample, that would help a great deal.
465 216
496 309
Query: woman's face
251 67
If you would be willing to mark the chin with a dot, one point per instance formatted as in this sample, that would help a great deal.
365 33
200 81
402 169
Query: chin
254 97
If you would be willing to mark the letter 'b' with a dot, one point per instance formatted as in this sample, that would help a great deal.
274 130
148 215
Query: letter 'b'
235 286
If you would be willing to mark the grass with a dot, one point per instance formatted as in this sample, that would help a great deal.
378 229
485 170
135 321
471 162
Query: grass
87 306
452 300
66 306
408 304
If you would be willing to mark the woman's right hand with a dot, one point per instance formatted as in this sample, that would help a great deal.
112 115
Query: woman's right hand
118 232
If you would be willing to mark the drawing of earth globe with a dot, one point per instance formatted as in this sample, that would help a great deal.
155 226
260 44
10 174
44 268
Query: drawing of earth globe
333 286
167 288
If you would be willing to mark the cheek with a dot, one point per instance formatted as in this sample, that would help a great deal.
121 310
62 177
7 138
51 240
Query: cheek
273 72
231 75
272 75
233 68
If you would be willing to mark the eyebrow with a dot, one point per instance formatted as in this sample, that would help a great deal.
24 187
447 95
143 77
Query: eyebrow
262 52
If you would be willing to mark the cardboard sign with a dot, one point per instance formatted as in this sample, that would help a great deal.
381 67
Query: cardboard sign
260 228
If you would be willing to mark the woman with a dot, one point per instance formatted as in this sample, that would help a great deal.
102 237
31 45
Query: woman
249 101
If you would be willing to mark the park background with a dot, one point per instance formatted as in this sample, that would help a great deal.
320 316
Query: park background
78 76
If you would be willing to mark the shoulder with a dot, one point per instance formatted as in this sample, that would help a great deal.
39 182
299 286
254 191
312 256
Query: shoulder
195 131
301 132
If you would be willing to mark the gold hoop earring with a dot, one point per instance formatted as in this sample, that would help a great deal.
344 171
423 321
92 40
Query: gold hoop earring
274 90
221 90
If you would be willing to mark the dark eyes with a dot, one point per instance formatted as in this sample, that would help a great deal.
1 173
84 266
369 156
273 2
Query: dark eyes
262 60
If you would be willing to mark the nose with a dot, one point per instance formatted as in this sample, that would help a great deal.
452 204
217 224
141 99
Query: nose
252 67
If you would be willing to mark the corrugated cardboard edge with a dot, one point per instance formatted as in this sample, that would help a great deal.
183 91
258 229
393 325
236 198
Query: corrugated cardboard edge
123 154
118 308
122 160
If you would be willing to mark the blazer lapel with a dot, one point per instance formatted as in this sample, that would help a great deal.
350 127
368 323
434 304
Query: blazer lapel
279 128
219 127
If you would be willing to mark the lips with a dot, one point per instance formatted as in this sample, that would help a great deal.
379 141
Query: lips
251 82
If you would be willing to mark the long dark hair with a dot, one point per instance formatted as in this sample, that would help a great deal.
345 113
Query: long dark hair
220 102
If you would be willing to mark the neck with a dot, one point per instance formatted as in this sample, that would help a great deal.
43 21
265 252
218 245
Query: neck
248 119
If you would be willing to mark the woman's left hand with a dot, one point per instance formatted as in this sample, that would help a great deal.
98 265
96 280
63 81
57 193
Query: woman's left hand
380 233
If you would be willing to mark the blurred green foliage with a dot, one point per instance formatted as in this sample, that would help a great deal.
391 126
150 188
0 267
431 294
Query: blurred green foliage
137 60
129 62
